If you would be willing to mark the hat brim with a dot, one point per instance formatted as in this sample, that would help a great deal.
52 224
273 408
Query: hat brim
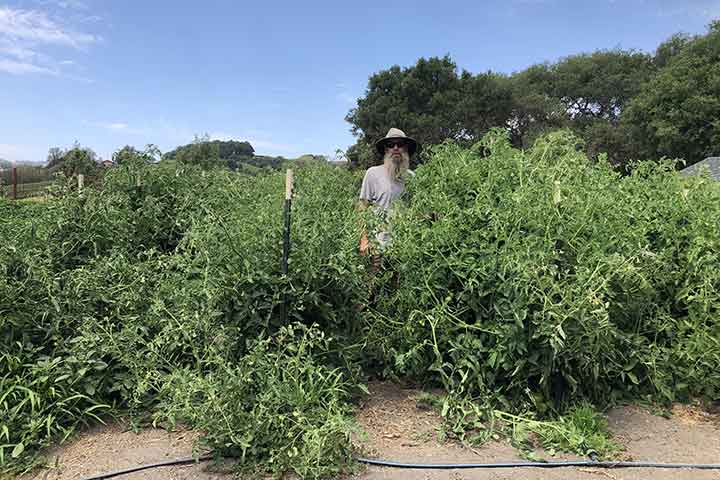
413 146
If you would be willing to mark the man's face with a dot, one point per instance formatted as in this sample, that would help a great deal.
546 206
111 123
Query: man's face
397 158
396 149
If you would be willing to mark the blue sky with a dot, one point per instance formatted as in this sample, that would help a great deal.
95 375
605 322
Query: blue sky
282 75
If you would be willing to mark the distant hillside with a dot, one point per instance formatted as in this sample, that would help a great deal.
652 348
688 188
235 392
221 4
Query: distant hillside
236 155
226 149
232 153
4 163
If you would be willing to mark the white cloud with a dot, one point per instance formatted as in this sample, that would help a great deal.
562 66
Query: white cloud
37 27
25 36
13 50
20 68
72 4
68 4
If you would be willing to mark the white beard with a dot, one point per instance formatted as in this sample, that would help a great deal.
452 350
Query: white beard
397 167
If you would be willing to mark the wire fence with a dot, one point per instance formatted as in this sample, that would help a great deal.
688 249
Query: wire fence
26 181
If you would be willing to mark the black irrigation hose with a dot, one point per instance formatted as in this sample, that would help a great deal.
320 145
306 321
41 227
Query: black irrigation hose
580 463
179 461
448 466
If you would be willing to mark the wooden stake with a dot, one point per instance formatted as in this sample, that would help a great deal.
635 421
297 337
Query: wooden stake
287 209
286 237
14 180
288 184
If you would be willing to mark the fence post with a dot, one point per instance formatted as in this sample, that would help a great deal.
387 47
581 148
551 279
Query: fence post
286 239
81 181
14 180
286 233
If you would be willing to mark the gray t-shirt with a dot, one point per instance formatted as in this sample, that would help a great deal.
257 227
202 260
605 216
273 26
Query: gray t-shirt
382 191
379 189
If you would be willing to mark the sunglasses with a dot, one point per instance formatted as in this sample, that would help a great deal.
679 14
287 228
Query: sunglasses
393 144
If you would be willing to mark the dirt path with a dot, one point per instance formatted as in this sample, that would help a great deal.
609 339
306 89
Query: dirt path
113 447
397 429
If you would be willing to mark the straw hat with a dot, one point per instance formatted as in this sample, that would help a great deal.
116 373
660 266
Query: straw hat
396 134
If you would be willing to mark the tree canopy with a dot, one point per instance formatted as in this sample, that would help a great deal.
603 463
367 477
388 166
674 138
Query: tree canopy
129 153
73 161
232 154
677 113
432 102
624 103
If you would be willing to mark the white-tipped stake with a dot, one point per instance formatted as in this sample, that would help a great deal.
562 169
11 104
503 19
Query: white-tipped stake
289 184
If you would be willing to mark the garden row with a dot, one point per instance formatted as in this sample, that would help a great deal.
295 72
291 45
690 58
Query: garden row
519 281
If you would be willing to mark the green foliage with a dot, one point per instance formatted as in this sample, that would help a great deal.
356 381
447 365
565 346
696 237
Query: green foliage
534 111
431 103
237 156
108 293
74 161
582 430
131 154
200 153
262 161
547 279
362 155
611 142
278 408
676 113
593 86
670 48
528 284
592 91
486 101
419 96
55 156
624 104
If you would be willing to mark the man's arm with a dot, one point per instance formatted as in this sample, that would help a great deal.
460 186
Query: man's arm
364 241
366 196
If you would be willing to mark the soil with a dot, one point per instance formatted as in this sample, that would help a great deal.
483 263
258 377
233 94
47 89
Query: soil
107 448
397 429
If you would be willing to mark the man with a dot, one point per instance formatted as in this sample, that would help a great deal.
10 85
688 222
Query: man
381 188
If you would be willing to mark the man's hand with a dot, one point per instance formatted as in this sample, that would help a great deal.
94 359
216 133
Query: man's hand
364 245
364 242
